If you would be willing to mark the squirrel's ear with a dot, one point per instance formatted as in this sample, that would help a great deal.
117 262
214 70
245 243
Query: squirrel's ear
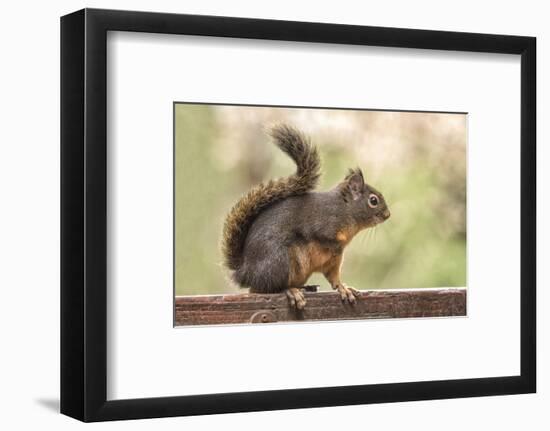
355 183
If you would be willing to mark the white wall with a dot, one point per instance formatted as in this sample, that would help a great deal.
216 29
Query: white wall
29 226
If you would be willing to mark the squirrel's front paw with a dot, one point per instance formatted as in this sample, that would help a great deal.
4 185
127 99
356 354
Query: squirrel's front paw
347 293
296 298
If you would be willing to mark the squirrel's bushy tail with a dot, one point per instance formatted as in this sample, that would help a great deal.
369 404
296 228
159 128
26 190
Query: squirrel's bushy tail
239 219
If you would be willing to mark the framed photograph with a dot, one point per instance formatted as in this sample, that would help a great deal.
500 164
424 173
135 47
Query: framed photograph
284 233
261 215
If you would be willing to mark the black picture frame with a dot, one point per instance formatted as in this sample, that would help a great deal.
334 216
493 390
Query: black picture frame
84 214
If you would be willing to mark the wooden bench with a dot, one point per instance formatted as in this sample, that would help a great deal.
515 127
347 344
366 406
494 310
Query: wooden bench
270 308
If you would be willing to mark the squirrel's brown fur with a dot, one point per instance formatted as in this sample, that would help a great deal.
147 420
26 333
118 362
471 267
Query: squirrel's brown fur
308 165
282 231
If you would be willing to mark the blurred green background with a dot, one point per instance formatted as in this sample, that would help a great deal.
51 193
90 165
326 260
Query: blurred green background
417 161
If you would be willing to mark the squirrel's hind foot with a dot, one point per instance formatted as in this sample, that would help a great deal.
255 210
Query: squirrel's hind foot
296 298
347 293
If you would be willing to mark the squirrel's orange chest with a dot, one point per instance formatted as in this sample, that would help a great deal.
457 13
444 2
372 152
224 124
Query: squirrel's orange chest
345 235
307 259
319 256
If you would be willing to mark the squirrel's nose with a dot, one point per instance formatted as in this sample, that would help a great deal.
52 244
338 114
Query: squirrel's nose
386 214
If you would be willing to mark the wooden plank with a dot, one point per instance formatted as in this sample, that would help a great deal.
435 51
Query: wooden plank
269 308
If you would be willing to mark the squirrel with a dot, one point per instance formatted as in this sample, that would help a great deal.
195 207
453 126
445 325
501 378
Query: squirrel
282 231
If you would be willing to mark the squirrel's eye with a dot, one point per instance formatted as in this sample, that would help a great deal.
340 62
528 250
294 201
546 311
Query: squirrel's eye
373 201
